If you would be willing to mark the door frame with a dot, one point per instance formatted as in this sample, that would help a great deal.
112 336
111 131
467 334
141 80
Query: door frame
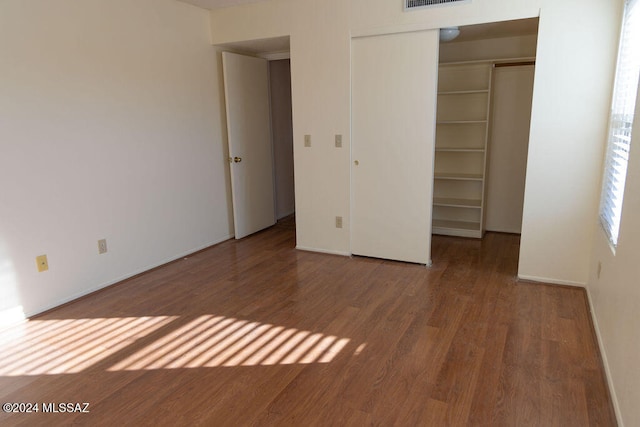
534 59
241 48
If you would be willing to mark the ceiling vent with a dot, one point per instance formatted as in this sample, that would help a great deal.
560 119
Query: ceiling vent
419 4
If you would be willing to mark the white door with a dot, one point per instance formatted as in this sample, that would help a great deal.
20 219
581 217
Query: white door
394 87
246 89
511 120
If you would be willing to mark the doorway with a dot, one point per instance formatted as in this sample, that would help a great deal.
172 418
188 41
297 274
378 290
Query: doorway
282 137
257 83
484 109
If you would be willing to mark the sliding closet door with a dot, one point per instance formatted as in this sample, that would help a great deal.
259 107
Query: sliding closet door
394 79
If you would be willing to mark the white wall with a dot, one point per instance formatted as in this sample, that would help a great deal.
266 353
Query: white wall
282 131
575 61
110 115
321 96
615 295
568 126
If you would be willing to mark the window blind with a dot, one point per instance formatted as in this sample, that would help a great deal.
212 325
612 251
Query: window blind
621 121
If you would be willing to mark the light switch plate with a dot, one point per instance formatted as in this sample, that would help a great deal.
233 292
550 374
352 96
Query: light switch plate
338 141
338 222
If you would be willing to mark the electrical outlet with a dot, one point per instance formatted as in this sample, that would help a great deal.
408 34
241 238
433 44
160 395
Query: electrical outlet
338 222
42 263
338 141
307 140
102 246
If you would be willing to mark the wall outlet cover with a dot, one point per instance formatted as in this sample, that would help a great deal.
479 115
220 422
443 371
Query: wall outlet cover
42 263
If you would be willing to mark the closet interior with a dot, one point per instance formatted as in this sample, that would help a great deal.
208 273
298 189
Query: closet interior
485 88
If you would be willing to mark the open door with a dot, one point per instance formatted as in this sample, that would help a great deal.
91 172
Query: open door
246 88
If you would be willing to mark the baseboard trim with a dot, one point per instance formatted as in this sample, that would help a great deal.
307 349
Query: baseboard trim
537 279
322 251
605 362
105 285
284 215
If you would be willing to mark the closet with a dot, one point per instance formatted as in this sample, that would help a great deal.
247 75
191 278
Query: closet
485 86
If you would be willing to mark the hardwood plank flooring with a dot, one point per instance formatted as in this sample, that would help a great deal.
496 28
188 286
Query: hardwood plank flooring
253 332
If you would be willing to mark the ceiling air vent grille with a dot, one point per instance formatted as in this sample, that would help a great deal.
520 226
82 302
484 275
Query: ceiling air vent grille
415 4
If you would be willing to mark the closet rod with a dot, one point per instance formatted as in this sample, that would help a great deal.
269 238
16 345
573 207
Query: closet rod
513 64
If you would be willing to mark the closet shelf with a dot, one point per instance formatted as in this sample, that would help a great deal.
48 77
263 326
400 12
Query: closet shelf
460 176
457 122
460 150
456 228
456 225
464 96
463 92
457 203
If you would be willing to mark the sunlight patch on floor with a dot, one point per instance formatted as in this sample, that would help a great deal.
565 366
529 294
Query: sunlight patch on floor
213 341
67 346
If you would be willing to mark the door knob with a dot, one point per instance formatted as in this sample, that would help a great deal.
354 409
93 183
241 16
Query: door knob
237 159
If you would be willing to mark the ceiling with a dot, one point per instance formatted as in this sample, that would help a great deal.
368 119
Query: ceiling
467 33
494 30
258 47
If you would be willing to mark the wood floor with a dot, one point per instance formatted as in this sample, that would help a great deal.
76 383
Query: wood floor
256 333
